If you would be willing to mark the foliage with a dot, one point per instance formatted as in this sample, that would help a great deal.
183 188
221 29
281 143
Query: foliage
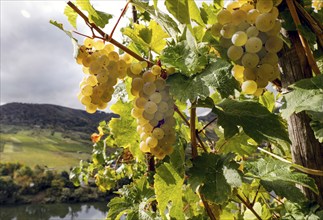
230 176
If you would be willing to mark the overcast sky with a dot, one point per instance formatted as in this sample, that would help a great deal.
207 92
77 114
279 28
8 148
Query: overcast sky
37 64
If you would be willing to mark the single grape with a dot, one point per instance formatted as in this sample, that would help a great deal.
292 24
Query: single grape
249 87
150 107
270 58
275 12
265 71
102 77
250 60
224 17
151 142
237 71
148 116
91 108
155 97
163 106
137 84
249 74
264 6
136 68
87 90
149 88
253 45
85 100
238 16
148 76
140 102
158 133
239 38
265 22
274 44
252 31
88 43
235 53
156 70
91 80
160 84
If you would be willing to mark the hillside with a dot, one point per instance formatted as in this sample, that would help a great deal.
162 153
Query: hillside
48 116
44 134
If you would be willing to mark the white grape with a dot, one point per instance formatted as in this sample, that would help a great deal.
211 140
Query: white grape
239 38
250 60
235 53
253 45
265 22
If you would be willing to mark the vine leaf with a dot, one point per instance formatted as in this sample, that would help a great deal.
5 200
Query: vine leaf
98 17
217 75
177 158
123 129
189 59
71 15
195 13
255 119
317 124
306 94
278 176
134 200
238 144
151 37
216 175
268 100
179 9
208 13
168 188
164 20
187 88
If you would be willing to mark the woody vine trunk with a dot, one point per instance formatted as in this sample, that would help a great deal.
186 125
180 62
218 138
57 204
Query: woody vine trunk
305 148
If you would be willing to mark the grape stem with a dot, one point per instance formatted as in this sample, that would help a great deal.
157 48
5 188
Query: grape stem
193 130
308 52
122 14
205 126
106 36
207 208
249 206
313 24
188 124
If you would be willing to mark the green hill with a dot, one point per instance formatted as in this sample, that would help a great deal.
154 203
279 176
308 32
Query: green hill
50 135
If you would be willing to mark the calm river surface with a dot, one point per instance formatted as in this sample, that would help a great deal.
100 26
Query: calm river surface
88 211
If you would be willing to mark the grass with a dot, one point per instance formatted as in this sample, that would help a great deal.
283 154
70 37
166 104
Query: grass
32 146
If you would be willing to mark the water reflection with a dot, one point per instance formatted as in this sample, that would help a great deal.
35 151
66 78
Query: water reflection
54 212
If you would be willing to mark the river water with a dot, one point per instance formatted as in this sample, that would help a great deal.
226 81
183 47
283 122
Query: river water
88 211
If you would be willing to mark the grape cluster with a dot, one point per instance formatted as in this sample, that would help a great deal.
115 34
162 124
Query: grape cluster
153 109
103 66
250 34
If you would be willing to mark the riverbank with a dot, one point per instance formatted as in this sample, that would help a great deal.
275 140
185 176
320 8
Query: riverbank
20 184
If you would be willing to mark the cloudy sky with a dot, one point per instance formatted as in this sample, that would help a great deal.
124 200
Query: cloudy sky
37 64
